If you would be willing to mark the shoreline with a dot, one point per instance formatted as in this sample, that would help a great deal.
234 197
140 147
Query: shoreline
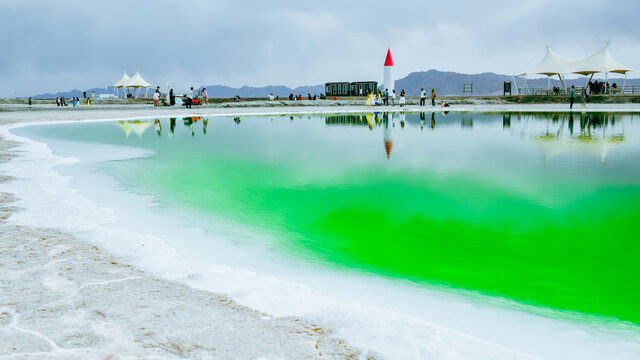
60 296
104 115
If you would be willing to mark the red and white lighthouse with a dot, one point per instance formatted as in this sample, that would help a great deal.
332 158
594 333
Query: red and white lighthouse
388 79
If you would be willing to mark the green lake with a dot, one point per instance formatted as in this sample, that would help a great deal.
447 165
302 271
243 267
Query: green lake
539 208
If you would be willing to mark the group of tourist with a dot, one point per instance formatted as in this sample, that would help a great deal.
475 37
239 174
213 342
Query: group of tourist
572 95
594 87
423 97
62 101
188 97
299 97
381 98
600 87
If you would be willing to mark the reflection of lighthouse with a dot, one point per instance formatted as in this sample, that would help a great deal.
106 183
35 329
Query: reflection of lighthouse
388 141
389 82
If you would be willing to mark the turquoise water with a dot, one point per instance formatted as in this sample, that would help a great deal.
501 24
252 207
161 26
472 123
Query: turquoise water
540 208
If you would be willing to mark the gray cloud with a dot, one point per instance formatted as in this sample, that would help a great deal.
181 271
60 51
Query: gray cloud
53 46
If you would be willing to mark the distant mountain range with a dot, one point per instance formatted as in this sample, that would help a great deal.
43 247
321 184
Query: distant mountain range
220 91
446 83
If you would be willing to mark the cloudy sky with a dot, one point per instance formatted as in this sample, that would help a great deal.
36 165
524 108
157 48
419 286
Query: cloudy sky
50 46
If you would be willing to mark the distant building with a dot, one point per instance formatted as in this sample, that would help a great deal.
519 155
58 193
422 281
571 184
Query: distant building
349 89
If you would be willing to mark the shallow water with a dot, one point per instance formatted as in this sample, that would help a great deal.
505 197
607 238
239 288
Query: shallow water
537 208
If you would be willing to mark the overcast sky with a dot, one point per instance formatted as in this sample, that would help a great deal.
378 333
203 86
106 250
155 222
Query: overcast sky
50 46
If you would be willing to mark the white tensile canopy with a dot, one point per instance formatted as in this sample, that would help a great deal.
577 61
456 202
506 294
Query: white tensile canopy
600 62
136 81
122 81
553 64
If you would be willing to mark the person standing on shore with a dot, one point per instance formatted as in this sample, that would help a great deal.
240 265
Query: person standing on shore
84 94
172 98
393 97
92 94
205 96
423 97
370 99
402 98
572 95
29 100
189 97
386 97
156 99
433 97
584 97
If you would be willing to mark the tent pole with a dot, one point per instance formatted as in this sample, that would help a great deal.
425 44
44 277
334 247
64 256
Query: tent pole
624 83
588 81
606 74
562 82
548 82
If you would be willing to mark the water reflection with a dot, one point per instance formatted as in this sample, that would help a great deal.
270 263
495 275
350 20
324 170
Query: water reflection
158 127
138 127
595 135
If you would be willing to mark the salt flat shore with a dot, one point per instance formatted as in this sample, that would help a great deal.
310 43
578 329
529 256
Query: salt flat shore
62 297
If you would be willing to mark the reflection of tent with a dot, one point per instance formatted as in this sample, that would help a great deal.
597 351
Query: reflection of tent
137 126
551 145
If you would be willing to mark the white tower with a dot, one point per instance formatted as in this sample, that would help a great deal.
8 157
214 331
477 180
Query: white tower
388 79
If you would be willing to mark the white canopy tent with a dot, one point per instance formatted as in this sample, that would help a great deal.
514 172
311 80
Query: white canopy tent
600 62
137 82
553 64
121 82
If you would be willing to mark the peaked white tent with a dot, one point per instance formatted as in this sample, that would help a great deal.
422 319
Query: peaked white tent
137 82
600 62
553 64
122 81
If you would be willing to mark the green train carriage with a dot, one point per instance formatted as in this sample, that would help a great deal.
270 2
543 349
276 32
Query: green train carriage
344 88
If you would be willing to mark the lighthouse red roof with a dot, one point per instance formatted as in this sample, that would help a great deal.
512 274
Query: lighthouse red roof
388 61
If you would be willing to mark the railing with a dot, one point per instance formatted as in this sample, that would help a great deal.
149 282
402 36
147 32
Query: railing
629 89
632 89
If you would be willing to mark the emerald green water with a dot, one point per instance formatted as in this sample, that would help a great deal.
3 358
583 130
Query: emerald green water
542 209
